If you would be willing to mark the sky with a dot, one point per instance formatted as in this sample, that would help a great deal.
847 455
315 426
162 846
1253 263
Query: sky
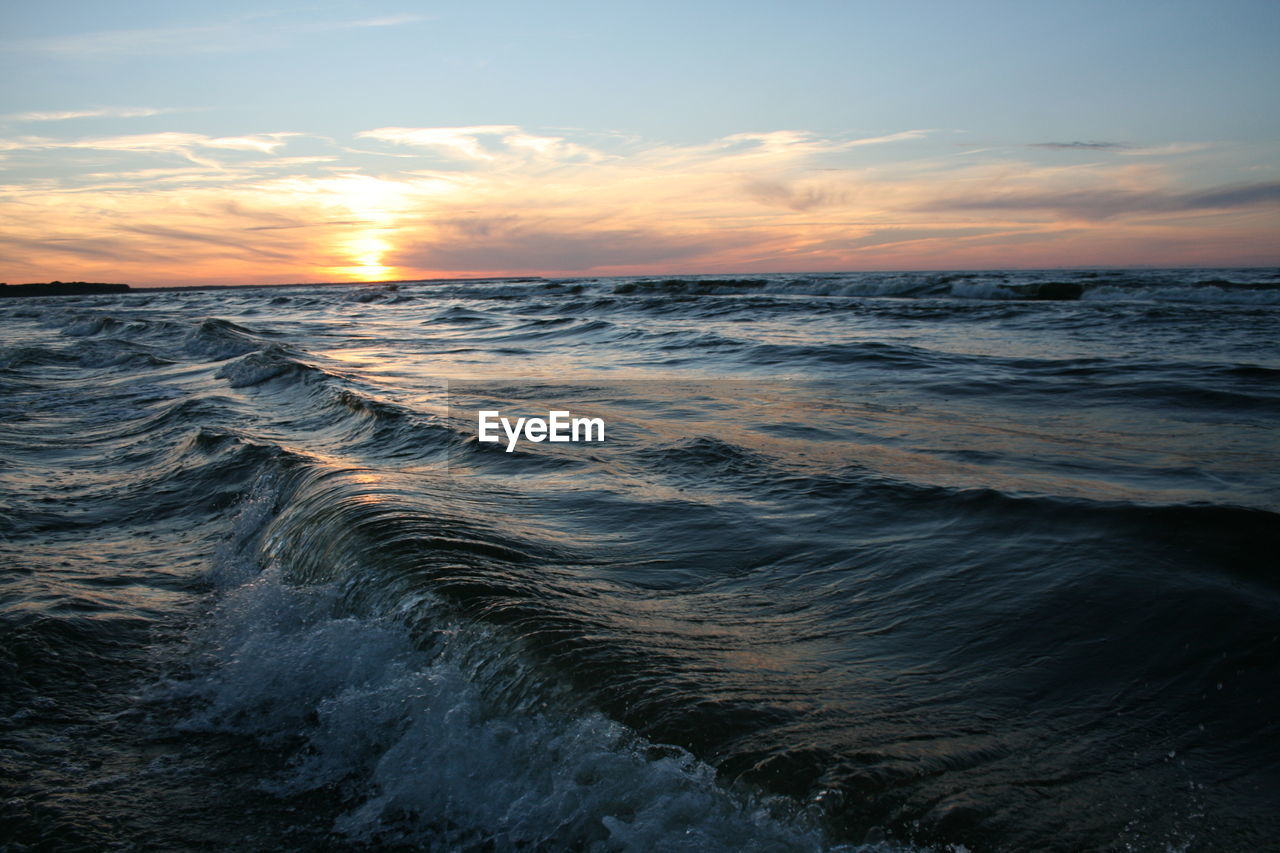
172 143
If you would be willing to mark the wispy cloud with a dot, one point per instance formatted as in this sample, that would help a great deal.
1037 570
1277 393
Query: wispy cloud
169 235
365 23
97 112
325 224
76 245
1126 148
890 137
793 197
484 143
1100 204
472 143
1080 146
509 144
186 145
512 242
502 199
1173 148
212 38
254 32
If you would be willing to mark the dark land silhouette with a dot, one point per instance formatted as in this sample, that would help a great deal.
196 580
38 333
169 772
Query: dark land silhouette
61 288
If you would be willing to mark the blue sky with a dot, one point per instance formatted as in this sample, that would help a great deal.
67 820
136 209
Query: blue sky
1036 121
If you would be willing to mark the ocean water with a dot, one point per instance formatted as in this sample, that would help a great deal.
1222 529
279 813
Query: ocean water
912 561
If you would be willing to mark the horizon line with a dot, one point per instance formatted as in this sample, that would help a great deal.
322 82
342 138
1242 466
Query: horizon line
741 275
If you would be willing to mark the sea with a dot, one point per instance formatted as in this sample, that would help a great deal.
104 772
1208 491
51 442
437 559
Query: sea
934 561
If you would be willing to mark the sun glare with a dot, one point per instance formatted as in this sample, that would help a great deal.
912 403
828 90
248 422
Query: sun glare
376 204
366 252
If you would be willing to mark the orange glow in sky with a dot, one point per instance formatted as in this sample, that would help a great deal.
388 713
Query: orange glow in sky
357 141
505 201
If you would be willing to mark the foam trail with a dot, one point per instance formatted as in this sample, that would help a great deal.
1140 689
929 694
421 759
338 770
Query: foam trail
434 746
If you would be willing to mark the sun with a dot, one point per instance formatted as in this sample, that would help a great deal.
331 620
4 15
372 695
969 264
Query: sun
366 252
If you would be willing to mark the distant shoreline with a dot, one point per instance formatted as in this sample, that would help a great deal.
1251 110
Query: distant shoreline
92 288
62 288
83 288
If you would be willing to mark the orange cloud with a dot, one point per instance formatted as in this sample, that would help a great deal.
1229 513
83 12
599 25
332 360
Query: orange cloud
500 200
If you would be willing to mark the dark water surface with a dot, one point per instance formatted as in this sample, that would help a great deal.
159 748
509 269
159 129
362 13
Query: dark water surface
980 561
